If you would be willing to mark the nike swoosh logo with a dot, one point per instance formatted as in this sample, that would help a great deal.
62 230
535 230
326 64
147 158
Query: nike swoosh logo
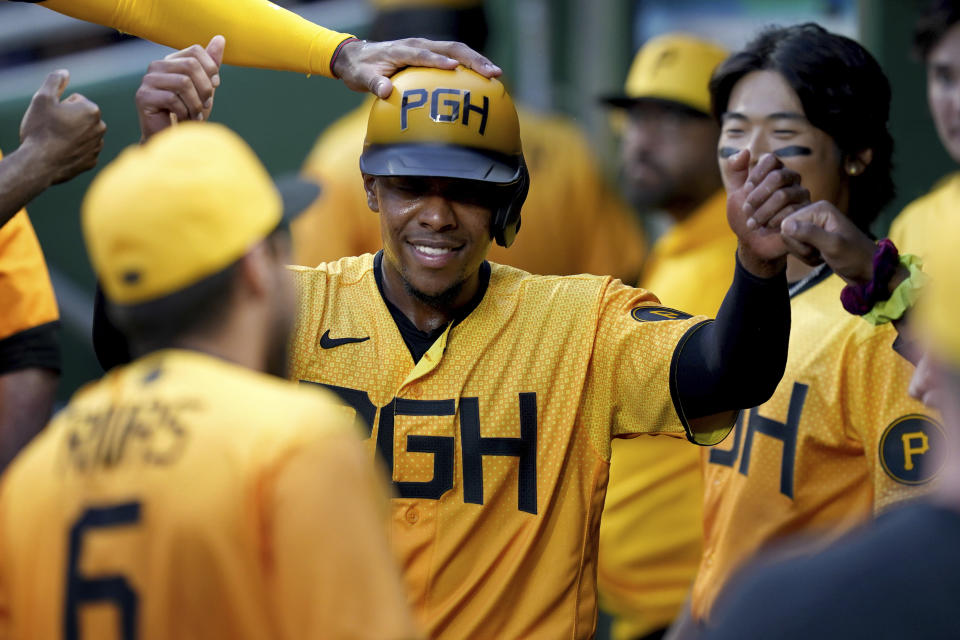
326 342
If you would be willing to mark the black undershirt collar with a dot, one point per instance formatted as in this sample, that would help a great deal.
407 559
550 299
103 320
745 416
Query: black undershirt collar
417 341
811 283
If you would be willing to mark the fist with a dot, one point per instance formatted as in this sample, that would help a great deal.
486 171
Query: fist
821 233
758 200
179 87
68 134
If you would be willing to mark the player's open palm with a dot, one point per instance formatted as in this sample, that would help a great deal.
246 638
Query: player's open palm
758 200
68 134
181 85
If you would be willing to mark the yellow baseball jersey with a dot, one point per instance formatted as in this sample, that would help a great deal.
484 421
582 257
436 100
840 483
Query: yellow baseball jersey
498 439
839 441
185 497
572 222
913 231
26 296
644 577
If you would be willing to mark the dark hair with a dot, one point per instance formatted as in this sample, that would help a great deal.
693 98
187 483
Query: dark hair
196 310
932 24
844 93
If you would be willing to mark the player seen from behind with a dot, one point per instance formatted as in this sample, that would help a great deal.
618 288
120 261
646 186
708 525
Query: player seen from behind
194 493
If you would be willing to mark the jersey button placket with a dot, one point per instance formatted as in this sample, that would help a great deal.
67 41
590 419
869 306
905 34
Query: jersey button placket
412 516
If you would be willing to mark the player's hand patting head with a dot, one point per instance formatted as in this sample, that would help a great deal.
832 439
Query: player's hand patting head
758 199
367 66
182 84
66 134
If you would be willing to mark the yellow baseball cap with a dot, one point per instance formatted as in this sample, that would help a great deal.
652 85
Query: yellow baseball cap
674 67
167 214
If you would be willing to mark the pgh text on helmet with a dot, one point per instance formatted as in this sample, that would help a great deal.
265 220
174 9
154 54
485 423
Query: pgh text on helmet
451 124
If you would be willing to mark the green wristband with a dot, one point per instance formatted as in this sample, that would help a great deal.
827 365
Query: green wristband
903 297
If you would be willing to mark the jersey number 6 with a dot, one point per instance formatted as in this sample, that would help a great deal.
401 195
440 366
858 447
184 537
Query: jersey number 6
110 588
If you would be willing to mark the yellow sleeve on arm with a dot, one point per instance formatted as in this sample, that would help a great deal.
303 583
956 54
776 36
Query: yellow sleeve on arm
258 32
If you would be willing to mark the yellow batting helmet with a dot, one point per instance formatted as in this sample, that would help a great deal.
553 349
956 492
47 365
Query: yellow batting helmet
451 124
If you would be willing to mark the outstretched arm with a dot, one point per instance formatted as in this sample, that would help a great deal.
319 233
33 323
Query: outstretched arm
58 140
737 361
263 34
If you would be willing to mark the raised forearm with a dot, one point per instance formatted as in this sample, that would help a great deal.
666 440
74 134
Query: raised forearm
22 178
737 361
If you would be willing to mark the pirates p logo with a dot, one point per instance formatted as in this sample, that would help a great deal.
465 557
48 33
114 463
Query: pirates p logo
912 449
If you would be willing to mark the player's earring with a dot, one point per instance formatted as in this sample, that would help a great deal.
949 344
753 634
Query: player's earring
853 170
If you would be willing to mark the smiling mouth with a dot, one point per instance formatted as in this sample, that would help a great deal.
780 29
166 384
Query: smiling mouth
433 251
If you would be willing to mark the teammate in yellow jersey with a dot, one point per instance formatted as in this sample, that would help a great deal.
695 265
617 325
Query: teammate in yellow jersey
937 44
573 220
192 493
493 394
262 34
908 560
668 158
840 440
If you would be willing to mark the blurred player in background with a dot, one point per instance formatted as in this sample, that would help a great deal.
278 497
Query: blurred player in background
937 44
59 138
899 577
573 221
193 493
840 440
669 164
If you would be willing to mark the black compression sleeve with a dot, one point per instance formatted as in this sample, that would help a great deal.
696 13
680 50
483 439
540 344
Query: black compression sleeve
737 361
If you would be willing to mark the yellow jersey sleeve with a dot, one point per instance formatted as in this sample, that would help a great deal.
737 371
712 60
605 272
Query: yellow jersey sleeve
258 33
904 443
630 372
26 295
328 546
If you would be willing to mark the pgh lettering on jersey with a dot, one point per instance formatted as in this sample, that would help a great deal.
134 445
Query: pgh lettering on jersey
498 439
839 441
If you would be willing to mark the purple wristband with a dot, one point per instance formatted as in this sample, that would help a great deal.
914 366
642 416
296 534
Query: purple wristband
859 299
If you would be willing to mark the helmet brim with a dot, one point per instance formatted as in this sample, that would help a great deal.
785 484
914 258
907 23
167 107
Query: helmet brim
441 161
